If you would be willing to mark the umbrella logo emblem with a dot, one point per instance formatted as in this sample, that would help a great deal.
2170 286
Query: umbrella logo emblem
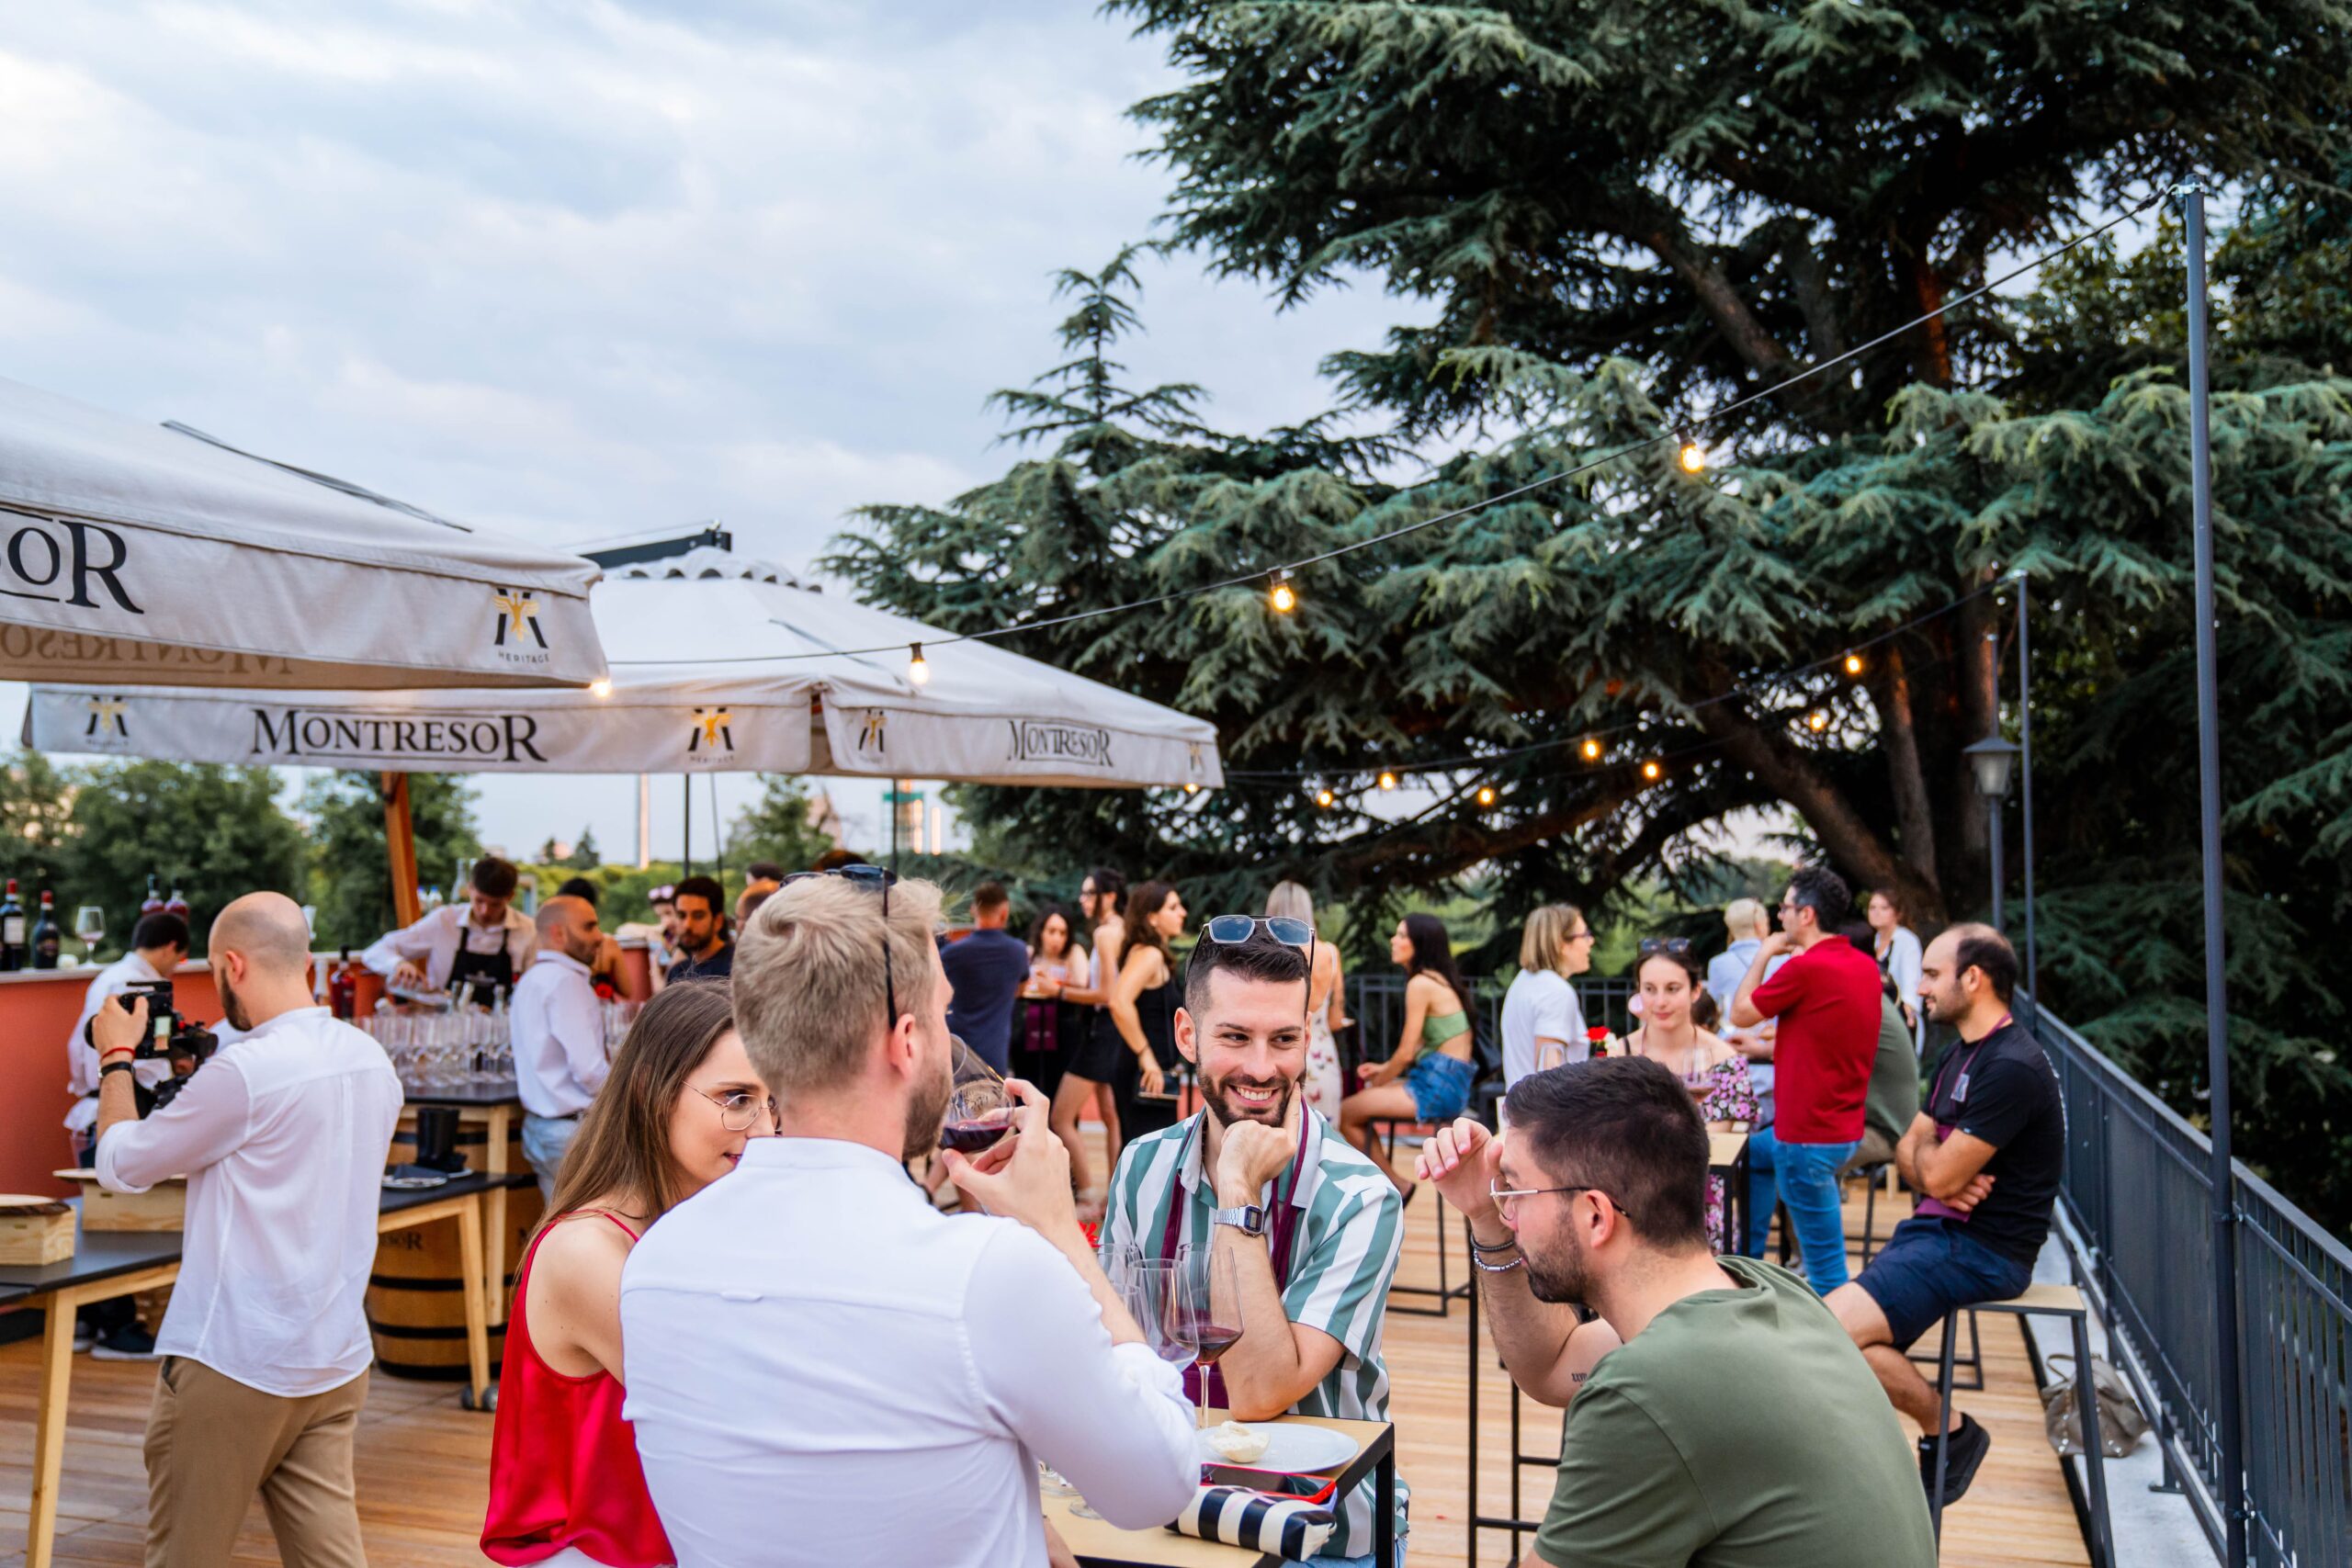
517 612
869 732
1193 749
712 727
106 714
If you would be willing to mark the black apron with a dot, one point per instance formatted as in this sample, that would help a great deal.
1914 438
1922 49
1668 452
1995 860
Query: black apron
488 973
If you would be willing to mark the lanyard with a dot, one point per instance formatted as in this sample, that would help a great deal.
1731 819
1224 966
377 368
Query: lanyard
1943 1071
1284 1227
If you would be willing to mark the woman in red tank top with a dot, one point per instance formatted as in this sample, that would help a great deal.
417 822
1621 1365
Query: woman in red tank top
565 1484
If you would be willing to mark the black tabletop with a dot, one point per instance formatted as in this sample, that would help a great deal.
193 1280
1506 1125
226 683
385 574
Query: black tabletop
503 1094
103 1255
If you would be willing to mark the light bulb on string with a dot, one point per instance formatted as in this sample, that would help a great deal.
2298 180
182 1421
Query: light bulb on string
1818 720
1387 780
1692 459
1281 595
1192 789
1323 798
1485 794
1853 664
1591 751
918 667
600 688
1650 771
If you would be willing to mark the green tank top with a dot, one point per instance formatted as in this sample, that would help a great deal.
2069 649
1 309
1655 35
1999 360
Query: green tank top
1438 1030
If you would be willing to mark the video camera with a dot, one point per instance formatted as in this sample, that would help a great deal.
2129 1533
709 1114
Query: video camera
169 1036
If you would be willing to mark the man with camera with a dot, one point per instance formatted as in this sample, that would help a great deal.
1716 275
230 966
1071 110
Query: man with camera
281 1136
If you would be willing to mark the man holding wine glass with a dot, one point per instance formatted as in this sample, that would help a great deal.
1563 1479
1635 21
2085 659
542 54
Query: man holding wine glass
1288 1236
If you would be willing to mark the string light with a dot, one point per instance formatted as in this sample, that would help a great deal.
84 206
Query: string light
1651 770
1387 780
600 688
1853 664
1819 719
1323 798
1282 596
1485 794
918 667
1192 789
1692 459
1592 750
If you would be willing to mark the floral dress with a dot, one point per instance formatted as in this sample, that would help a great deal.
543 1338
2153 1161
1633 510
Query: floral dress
1730 1096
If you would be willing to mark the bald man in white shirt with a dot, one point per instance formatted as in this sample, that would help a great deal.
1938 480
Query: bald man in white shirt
559 1035
282 1136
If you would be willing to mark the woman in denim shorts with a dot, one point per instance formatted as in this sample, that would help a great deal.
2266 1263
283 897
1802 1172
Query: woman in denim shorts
1427 1079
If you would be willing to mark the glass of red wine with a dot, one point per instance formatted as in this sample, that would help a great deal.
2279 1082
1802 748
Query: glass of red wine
979 1113
1206 1300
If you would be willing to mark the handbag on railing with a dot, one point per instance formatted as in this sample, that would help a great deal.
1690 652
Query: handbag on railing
2120 1425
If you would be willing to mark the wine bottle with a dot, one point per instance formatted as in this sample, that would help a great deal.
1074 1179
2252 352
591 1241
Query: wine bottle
343 990
154 903
47 939
176 905
12 930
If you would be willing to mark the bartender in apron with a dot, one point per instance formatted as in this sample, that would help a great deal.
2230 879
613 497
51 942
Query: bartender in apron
485 942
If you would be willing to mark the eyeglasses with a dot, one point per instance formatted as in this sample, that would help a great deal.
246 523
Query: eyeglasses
1673 946
1587 934
873 879
1505 1197
740 1109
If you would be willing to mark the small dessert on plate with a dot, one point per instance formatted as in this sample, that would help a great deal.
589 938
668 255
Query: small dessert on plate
1236 1443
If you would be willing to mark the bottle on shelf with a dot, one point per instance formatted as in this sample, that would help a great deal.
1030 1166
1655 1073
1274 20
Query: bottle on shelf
12 930
343 988
47 940
154 903
176 904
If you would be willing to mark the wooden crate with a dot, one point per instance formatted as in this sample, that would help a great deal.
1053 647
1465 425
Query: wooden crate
34 1230
163 1207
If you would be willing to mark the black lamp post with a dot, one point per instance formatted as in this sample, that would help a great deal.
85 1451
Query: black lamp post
1993 760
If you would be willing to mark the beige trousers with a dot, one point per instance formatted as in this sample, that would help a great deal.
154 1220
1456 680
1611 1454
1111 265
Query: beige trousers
212 1442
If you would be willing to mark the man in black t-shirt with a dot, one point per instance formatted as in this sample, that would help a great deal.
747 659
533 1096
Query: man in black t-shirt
1985 1156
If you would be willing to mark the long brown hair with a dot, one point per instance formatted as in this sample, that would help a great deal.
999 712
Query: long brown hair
623 1144
1142 905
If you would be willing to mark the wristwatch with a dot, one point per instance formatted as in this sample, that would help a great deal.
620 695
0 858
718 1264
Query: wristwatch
1249 1219
125 1065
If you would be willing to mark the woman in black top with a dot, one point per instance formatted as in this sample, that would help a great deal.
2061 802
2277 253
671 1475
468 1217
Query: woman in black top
1143 1009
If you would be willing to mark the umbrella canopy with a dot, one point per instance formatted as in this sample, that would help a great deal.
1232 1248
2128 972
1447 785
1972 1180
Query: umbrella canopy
711 671
134 552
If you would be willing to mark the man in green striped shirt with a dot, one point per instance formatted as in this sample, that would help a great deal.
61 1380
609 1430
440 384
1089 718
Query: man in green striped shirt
1312 1225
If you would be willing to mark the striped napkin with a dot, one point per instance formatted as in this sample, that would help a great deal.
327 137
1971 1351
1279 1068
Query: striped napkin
1288 1527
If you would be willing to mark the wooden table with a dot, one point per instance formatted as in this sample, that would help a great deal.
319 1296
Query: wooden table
1098 1544
107 1264
493 1110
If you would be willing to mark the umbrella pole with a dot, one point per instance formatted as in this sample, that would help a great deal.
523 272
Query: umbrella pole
686 835
400 845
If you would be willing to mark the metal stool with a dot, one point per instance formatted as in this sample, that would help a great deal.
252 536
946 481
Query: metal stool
2046 1300
1446 1293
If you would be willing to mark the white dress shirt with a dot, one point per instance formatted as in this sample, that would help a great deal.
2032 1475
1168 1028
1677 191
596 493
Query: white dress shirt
822 1369
81 1058
282 1137
559 1035
432 944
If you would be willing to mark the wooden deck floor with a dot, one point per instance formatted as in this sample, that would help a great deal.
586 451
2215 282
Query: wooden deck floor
422 1460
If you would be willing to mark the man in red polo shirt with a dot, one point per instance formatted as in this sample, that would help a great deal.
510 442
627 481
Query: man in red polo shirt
1825 998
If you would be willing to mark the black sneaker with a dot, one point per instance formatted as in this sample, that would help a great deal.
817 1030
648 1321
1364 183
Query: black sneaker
129 1343
1964 1450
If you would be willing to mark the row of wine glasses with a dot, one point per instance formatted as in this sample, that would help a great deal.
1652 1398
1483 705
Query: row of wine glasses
1189 1307
465 1048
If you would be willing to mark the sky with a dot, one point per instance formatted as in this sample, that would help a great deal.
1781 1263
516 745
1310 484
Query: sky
583 270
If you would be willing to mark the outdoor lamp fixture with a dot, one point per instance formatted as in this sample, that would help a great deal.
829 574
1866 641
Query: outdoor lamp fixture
1692 459
918 668
1281 595
1992 759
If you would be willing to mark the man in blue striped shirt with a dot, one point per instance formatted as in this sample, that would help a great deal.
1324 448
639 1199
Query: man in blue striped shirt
1312 1225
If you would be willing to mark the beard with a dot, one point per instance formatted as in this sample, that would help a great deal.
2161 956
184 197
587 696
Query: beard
1565 1277
1946 1007
927 1107
232 1007
1227 1110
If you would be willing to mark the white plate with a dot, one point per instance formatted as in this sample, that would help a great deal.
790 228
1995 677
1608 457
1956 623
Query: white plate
1291 1448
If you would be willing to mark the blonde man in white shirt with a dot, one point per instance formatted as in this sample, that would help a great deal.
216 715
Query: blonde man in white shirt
485 941
823 1368
282 1137
557 1029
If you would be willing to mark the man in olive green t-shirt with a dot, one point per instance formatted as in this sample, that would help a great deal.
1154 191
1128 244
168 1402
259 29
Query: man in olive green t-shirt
1718 1415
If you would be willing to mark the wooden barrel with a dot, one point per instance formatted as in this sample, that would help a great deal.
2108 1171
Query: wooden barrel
416 1307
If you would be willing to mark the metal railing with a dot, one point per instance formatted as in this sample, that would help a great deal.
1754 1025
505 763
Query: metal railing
2138 1193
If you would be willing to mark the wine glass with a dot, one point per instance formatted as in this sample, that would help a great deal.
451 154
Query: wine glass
90 927
979 1113
1207 1314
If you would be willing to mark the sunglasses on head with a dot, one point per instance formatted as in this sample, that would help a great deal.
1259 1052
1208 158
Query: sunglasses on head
873 879
1672 946
1232 930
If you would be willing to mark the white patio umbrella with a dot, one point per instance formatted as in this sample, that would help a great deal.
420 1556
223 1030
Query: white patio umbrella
711 671
133 552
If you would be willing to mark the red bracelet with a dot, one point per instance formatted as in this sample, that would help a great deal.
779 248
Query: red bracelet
118 1051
